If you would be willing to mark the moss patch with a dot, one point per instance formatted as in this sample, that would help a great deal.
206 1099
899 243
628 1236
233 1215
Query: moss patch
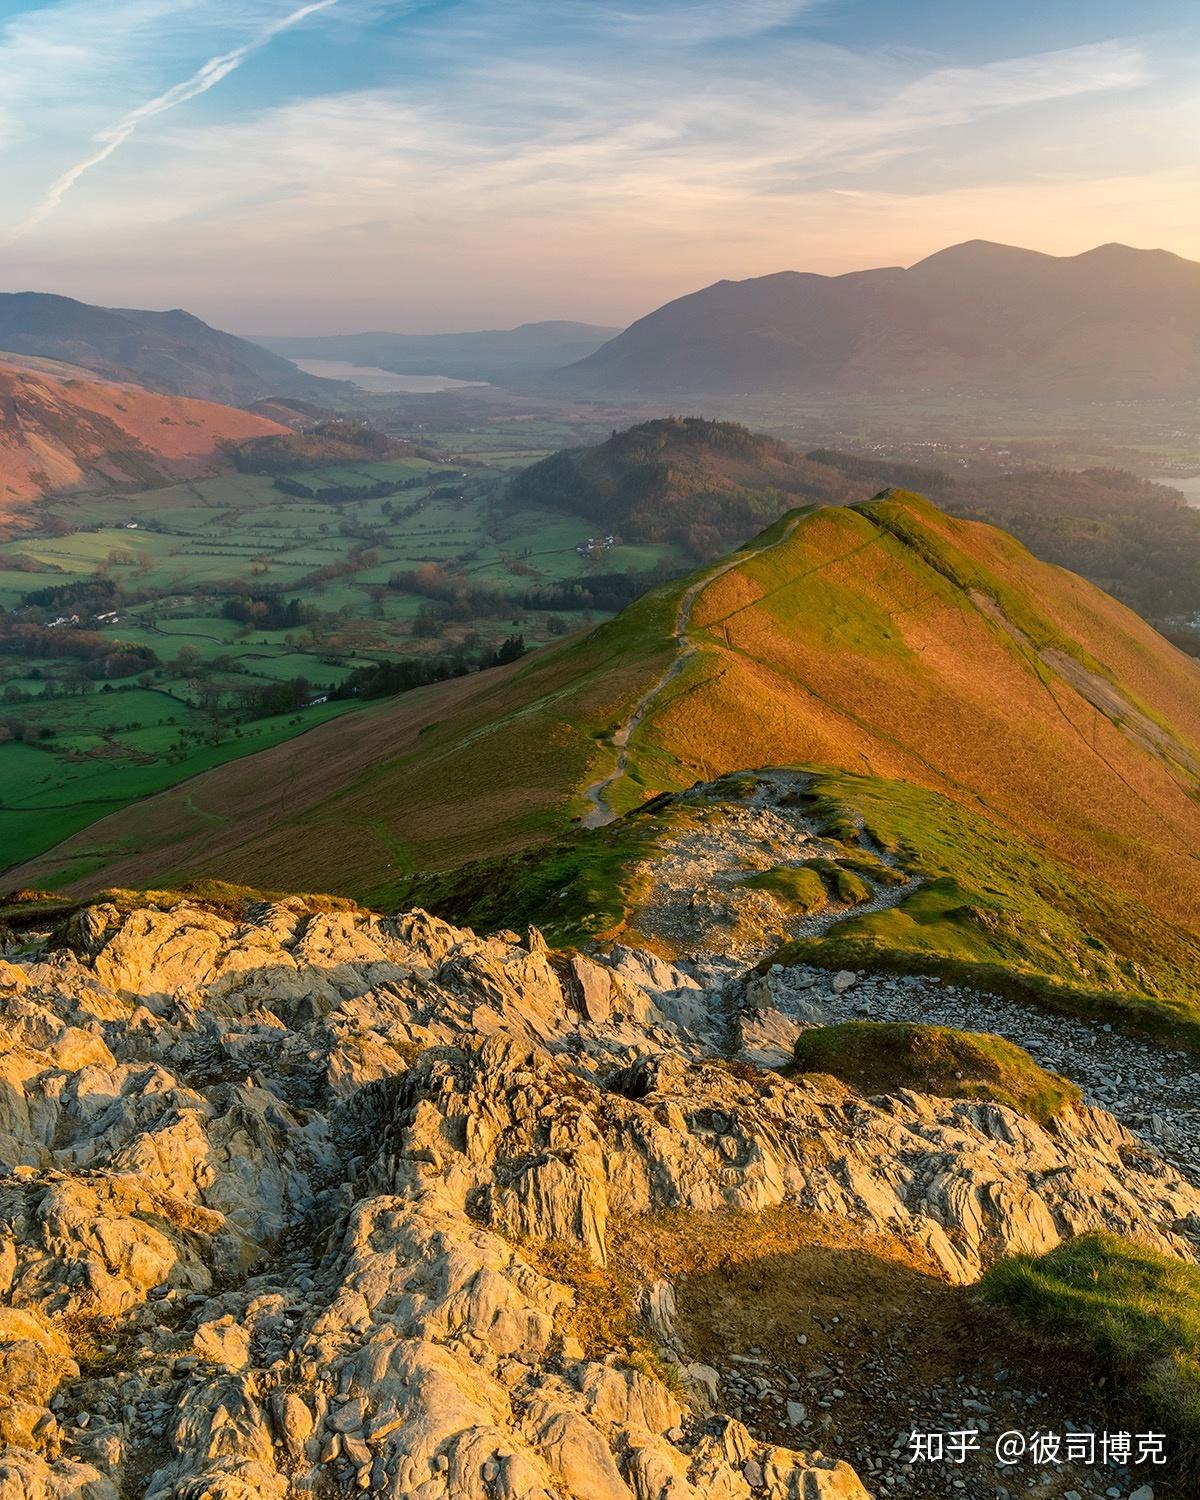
810 887
883 1057
797 886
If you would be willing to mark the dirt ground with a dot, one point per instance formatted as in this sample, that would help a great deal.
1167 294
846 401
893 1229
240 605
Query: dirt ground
827 1340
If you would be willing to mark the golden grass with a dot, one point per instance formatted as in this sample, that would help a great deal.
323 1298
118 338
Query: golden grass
872 640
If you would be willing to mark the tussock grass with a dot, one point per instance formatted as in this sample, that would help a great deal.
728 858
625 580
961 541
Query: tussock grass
797 886
101 1346
1135 1311
883 1057
604 1314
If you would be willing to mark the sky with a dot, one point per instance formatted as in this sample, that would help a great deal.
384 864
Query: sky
308 166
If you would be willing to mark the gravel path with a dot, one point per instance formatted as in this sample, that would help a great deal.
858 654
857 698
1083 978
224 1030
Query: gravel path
1153 1090
700 905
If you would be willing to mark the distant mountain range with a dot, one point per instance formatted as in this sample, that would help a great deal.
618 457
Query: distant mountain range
63 435
977 318
493 354
172 353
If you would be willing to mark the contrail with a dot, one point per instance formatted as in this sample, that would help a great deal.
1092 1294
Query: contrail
213 71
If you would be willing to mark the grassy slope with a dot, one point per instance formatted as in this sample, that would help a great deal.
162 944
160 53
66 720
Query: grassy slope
110 749
486 763
854 645
59 436
868 639
1135 1312
996 910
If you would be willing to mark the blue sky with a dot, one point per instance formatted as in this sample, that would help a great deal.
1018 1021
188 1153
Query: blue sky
313 165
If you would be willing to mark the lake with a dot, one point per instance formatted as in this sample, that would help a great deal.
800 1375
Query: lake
380 382
1190 487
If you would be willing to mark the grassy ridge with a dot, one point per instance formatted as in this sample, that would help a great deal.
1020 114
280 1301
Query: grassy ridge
939 654
1040 729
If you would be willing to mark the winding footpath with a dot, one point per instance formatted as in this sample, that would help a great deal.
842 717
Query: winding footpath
599 813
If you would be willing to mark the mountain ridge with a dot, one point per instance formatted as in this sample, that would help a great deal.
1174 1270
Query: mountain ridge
171 353
978 317
883 638
58 435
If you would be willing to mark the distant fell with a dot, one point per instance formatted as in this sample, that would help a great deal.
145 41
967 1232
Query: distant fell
490 355
976 318
67 435
172 353
704 484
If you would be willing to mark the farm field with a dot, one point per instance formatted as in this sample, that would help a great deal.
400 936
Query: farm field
150 637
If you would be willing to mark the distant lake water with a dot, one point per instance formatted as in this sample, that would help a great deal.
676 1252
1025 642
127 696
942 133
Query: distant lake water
379 382
1190 487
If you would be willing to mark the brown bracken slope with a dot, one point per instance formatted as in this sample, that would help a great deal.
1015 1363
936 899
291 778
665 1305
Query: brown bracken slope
58 435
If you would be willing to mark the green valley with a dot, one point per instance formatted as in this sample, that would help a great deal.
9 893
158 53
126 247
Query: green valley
1022 748
148 637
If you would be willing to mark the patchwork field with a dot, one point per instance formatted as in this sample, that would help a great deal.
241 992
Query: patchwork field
147 638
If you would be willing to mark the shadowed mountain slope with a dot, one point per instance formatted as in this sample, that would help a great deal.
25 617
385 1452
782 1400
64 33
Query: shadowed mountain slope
978 317
171 352
883 639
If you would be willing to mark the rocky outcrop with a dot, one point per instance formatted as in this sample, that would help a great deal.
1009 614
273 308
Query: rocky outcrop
275 1189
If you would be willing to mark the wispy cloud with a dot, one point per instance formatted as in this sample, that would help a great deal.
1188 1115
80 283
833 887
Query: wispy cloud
473 144
682 21
203 79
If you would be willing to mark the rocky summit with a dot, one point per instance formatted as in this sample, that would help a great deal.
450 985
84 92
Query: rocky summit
311 1202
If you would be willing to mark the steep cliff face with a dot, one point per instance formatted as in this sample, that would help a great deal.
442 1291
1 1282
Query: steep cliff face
321 1203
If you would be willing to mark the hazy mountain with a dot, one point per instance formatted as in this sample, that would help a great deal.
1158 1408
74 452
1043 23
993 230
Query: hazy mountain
57 435
978 317
170 352
494 354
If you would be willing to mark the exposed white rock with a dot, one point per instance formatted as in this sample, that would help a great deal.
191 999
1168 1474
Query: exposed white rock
282 1177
